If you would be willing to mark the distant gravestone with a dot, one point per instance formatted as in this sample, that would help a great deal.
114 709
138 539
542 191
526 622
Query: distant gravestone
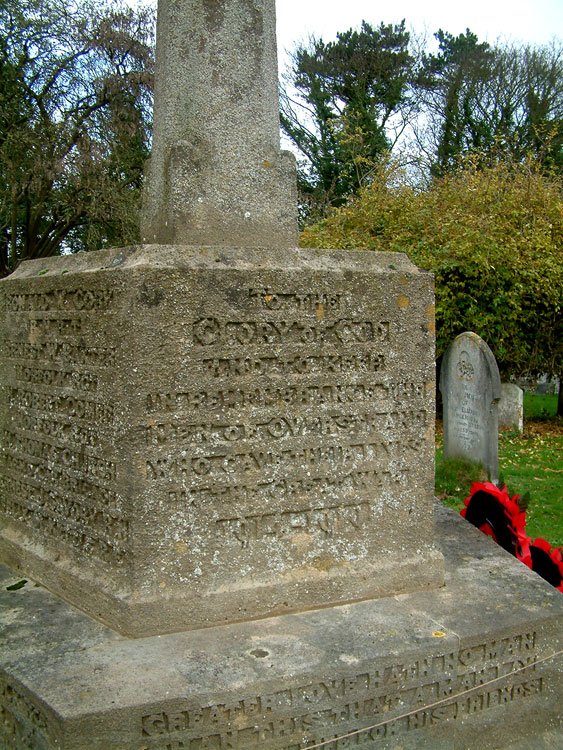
511 407
470 387
547 385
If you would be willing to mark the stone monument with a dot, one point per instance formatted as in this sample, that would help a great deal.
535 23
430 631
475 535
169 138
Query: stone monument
216 174
226 442
470 386
194 435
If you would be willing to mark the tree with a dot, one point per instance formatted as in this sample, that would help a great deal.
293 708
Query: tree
483 98
347 93
491 233
74 125
454 80
541 130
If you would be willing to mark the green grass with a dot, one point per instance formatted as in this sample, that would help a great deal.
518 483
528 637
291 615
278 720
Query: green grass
540 406
532 462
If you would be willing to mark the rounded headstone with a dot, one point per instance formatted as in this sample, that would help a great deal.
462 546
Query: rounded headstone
471 389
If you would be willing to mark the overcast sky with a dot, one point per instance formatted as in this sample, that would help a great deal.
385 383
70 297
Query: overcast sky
532 21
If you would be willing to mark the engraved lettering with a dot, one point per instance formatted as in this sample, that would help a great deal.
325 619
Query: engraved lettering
339 519
314 726
60 299
211 331
60 351
226 367
69 406
291 395
270 299
81 381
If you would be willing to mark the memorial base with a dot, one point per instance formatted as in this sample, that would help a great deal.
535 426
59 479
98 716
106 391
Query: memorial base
189 609
475 663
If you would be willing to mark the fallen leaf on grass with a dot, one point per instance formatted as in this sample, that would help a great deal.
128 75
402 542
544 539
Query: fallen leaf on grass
16 586
555 471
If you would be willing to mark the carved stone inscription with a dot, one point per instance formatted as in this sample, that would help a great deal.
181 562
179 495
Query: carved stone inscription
462 683
305 407
292 430
58 466
22 724
192 423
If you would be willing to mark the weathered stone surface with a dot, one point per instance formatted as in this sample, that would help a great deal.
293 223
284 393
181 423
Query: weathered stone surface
511 407
470 386
464 666
193 436
216 174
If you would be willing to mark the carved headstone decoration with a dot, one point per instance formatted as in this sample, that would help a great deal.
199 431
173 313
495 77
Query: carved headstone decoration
470 386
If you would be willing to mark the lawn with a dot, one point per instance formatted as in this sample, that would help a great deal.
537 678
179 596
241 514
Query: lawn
532 462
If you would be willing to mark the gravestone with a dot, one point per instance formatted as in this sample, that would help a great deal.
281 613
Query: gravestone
547 385
470 387
511 407
195 433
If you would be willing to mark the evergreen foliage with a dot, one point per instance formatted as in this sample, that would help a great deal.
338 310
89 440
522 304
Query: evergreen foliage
345 102
348 92
75 116
477 97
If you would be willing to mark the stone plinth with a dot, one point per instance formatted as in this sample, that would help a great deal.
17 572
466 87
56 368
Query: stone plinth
216 174
464 666
470 386
194 436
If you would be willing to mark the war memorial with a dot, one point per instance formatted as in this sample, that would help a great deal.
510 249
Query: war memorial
217 470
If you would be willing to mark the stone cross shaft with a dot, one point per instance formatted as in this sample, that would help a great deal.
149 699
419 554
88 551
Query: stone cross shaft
217 175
